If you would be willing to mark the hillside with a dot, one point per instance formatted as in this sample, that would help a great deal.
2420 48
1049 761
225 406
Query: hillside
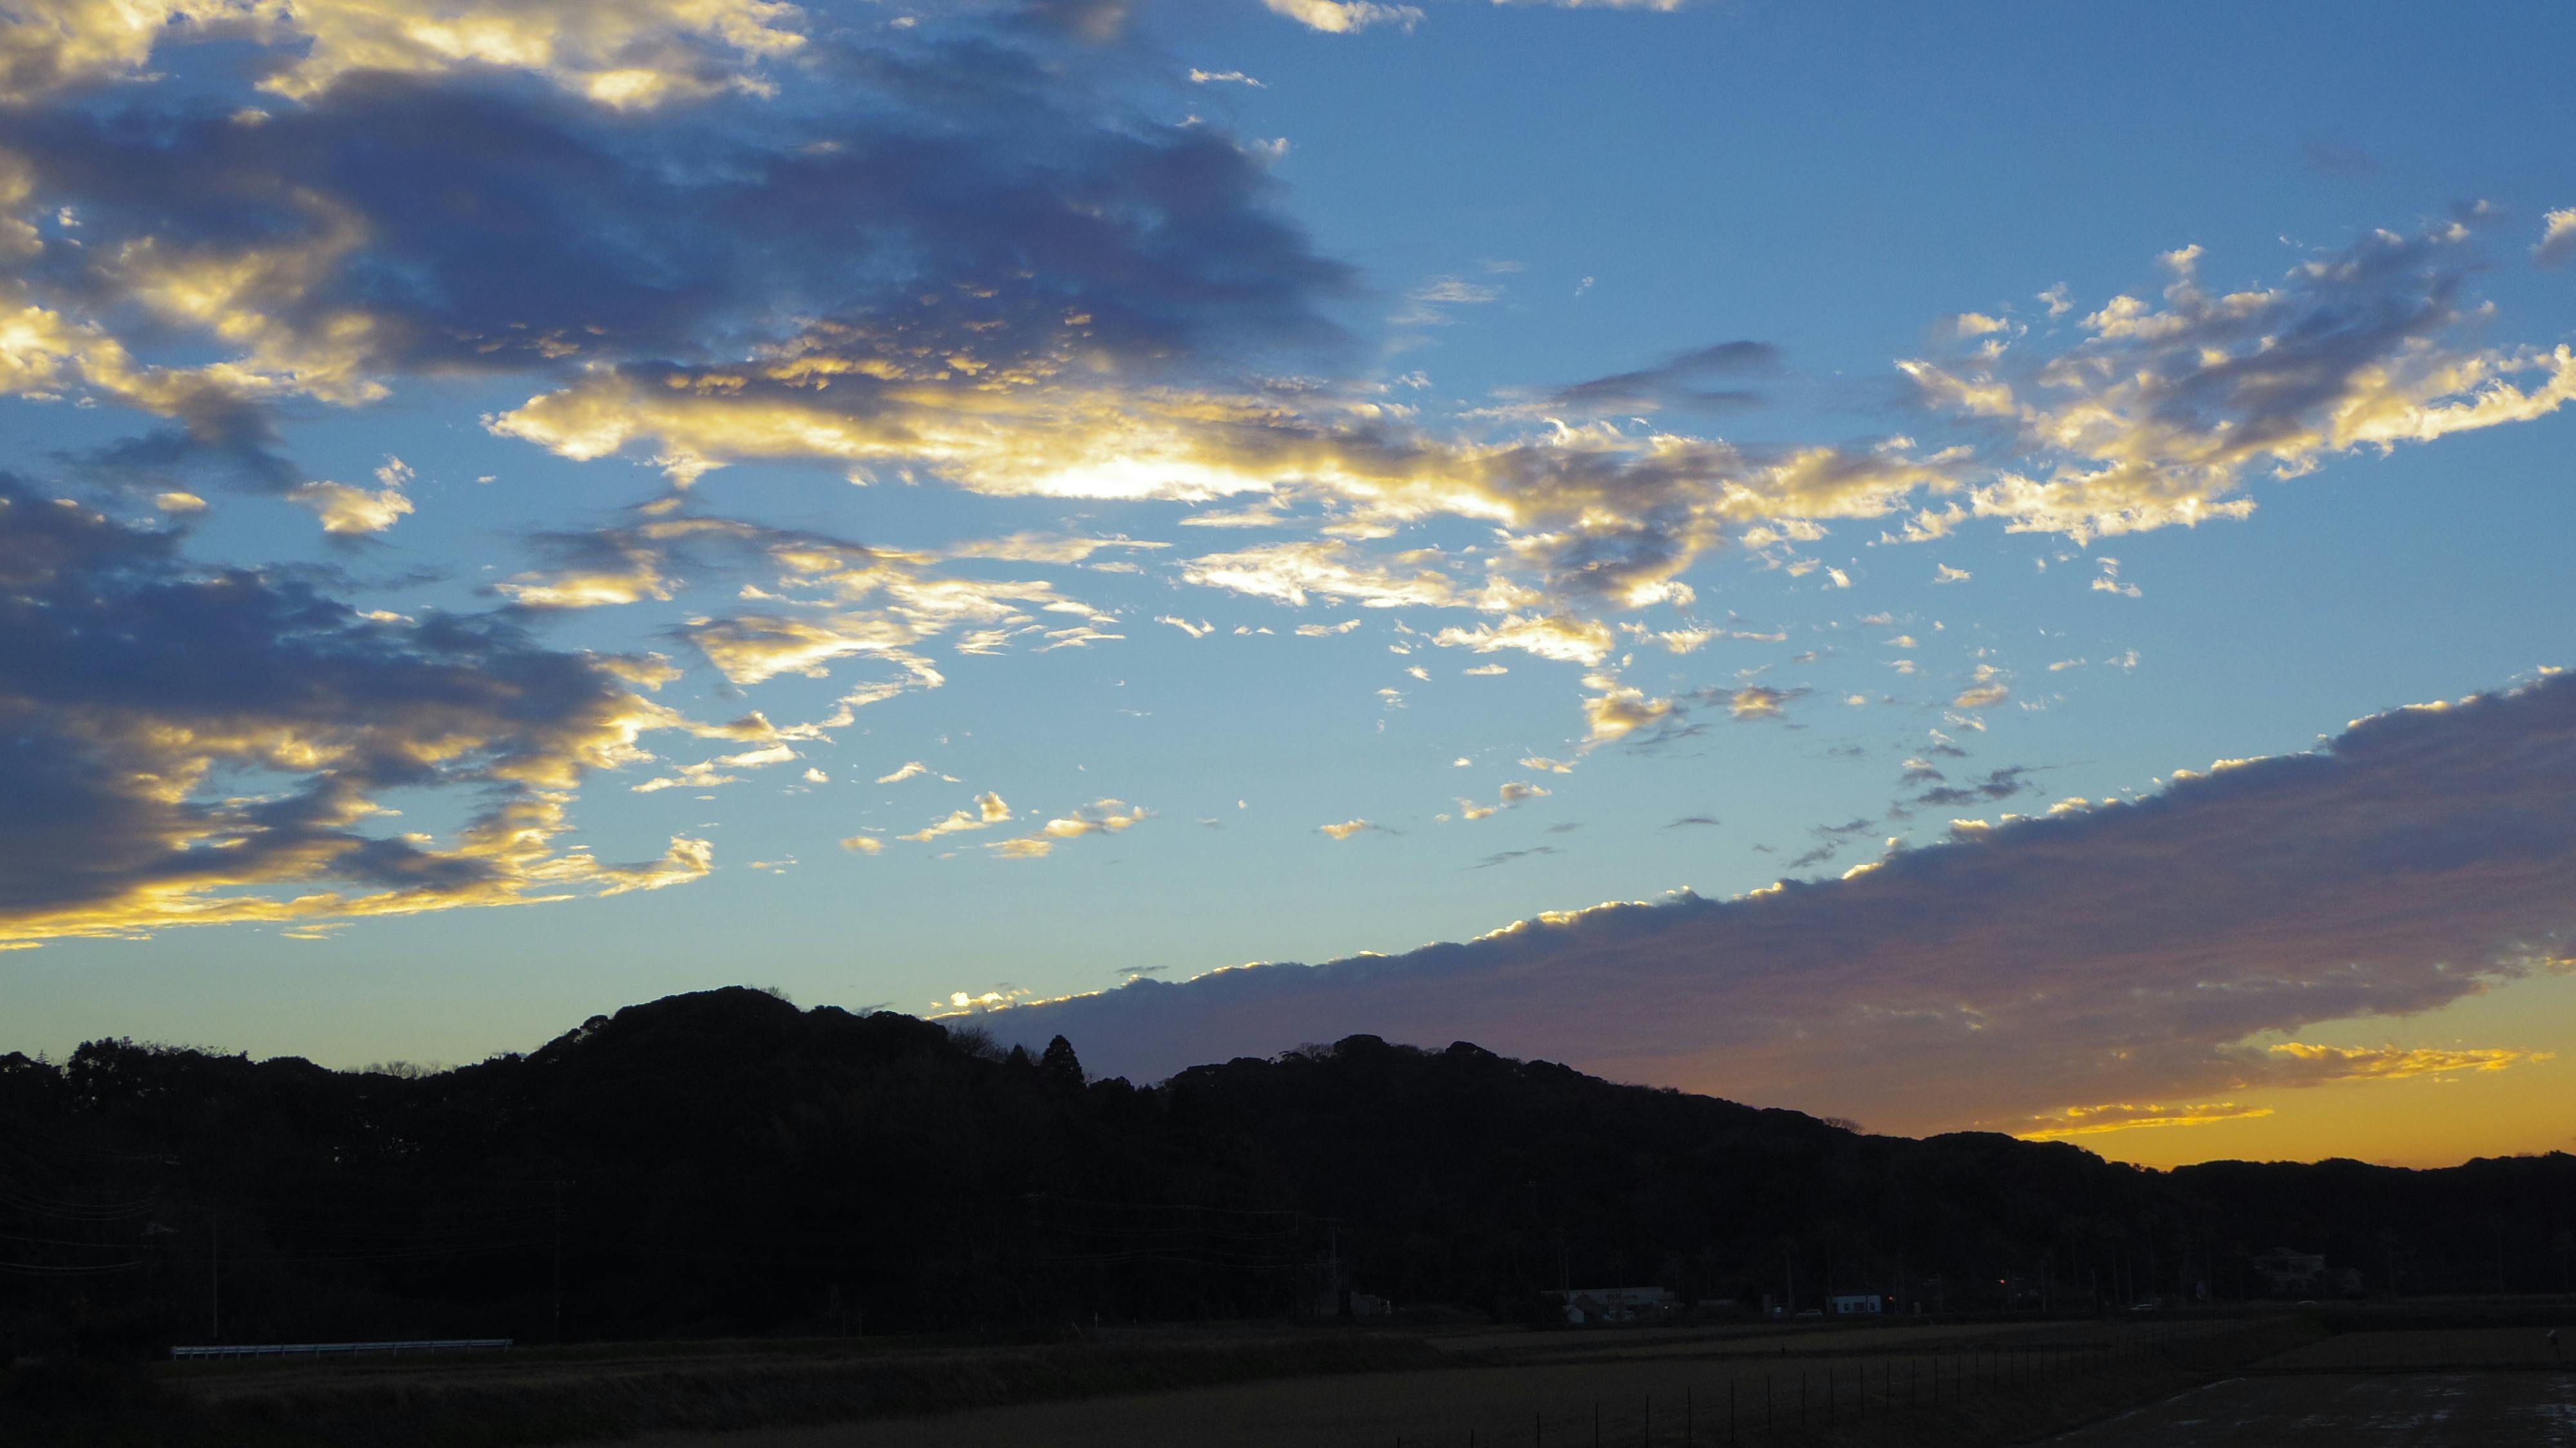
724 1163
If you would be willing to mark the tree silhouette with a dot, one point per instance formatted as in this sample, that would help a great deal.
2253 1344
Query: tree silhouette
727 1163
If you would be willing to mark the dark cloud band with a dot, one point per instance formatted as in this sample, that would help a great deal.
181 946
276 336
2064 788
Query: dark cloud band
2101 953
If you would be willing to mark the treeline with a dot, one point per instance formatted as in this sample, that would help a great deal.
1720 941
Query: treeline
723 1163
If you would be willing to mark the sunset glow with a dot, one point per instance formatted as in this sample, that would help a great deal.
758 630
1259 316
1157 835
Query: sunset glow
1921 567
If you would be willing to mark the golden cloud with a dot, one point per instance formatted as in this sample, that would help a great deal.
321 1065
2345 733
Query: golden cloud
145 825
2394 1063
2123 1116
635 53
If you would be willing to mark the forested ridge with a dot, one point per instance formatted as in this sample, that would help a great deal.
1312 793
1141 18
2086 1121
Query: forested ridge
724 1163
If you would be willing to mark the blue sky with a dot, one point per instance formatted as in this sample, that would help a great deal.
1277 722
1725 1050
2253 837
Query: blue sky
669 460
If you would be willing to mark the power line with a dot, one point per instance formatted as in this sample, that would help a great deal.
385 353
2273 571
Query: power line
65 1242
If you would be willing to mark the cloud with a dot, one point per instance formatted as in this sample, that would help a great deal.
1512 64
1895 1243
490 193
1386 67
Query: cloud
1616 710
1423 304
1094 21
1516 792
2109 581
1343 17
2557 238
710 773
1043 547
751 648
1761 701
1677 381
275 245
2420 857
2122 1116
1998 784
1552 636
192 745
1108 816
345 510
2314 1064
910 769
623 56
1596 520
835 600
989 810
952 261
1291 572
2159 415
1215 77
2392 1063
1347 828
1079 636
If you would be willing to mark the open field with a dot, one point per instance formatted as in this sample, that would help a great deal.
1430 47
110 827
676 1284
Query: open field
2414 1410
1908 1384
2462 1349
1901 1384
1778 1401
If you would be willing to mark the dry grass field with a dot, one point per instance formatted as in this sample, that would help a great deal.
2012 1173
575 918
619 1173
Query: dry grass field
2409 1410
1900 1385
1893 1385
2477 1348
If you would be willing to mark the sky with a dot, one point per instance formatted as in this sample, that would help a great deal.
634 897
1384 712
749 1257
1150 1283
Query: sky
1995 570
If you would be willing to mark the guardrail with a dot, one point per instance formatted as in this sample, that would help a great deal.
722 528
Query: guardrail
323 1349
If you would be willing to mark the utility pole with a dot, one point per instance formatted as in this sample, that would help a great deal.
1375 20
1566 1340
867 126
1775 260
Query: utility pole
558 1186
1333 1266
215 1276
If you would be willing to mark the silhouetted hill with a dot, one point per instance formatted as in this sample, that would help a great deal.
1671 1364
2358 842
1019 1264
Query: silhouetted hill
725 1163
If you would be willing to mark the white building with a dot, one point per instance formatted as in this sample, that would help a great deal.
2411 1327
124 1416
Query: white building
1856 1304
1617 1304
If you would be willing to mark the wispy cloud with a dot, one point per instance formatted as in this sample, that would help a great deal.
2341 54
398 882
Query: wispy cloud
1108 816
989 810
1679 381
1514 793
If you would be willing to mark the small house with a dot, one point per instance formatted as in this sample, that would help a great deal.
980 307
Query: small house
2287 1272
1585 1305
